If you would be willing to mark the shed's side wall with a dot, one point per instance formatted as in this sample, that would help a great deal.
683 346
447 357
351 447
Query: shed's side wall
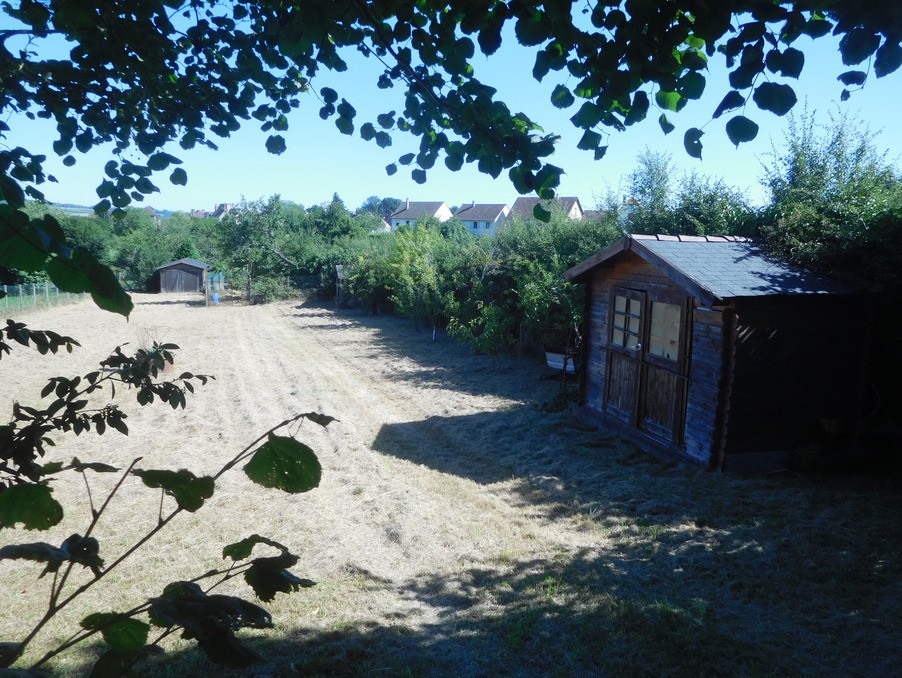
798 367
705 400
181 278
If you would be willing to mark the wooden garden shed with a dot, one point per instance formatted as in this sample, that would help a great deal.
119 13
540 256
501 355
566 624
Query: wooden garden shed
183 275
712 350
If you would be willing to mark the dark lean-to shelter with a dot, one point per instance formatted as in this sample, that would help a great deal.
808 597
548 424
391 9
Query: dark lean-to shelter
710 349
183 275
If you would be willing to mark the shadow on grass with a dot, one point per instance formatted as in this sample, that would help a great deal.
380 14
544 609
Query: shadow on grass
685 574
584 615
170 302
443 361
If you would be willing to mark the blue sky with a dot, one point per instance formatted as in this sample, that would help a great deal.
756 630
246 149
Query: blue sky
321 161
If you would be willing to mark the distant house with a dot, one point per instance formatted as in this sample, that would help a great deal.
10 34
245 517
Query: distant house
221 210
411 212
709 348
482 219
183 275
523 206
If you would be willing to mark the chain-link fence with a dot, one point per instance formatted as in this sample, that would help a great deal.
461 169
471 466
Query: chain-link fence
20 299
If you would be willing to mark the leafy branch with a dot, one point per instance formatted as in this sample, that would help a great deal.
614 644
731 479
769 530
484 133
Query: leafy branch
270 460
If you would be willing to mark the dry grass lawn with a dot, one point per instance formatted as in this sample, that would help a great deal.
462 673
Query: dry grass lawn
460 528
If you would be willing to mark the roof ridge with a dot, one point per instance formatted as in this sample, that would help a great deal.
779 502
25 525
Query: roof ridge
663 237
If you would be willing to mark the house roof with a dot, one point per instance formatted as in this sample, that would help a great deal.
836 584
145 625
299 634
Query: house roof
714 268
524 205
415 210
480 212
190 262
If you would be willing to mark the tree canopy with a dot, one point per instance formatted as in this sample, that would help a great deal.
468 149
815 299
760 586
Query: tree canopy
145 74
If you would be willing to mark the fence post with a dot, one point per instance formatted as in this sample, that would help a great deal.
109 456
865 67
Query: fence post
5 297
34 296
47 293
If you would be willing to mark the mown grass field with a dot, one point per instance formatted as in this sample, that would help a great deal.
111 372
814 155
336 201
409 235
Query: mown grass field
463 529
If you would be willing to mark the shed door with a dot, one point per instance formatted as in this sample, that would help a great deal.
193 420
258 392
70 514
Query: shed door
646 380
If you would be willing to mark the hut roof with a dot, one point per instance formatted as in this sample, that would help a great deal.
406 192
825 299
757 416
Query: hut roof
714 268
190 262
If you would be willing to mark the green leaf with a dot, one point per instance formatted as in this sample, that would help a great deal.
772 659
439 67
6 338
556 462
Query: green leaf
391 168
367 131
773 97
731 101
671 101
857 45
562 97
588 115
491 165
817 26
275 144
346 110
852 78
160 161
589 141
691 85
639 108
121 634
286 464
540 213
83 273
11 191
211 621
189 490
692 142
792 62
889 58
243 549
329 95
179 177
31 505
454 161
21 244
665 124
418 176
532 28
546 180
740 129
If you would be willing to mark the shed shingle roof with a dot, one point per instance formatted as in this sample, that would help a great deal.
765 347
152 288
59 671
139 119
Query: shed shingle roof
716 268
190 262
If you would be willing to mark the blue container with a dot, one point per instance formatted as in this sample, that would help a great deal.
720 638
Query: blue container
215 298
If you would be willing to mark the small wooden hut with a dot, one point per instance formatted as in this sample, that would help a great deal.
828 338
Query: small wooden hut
183 275
708 348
